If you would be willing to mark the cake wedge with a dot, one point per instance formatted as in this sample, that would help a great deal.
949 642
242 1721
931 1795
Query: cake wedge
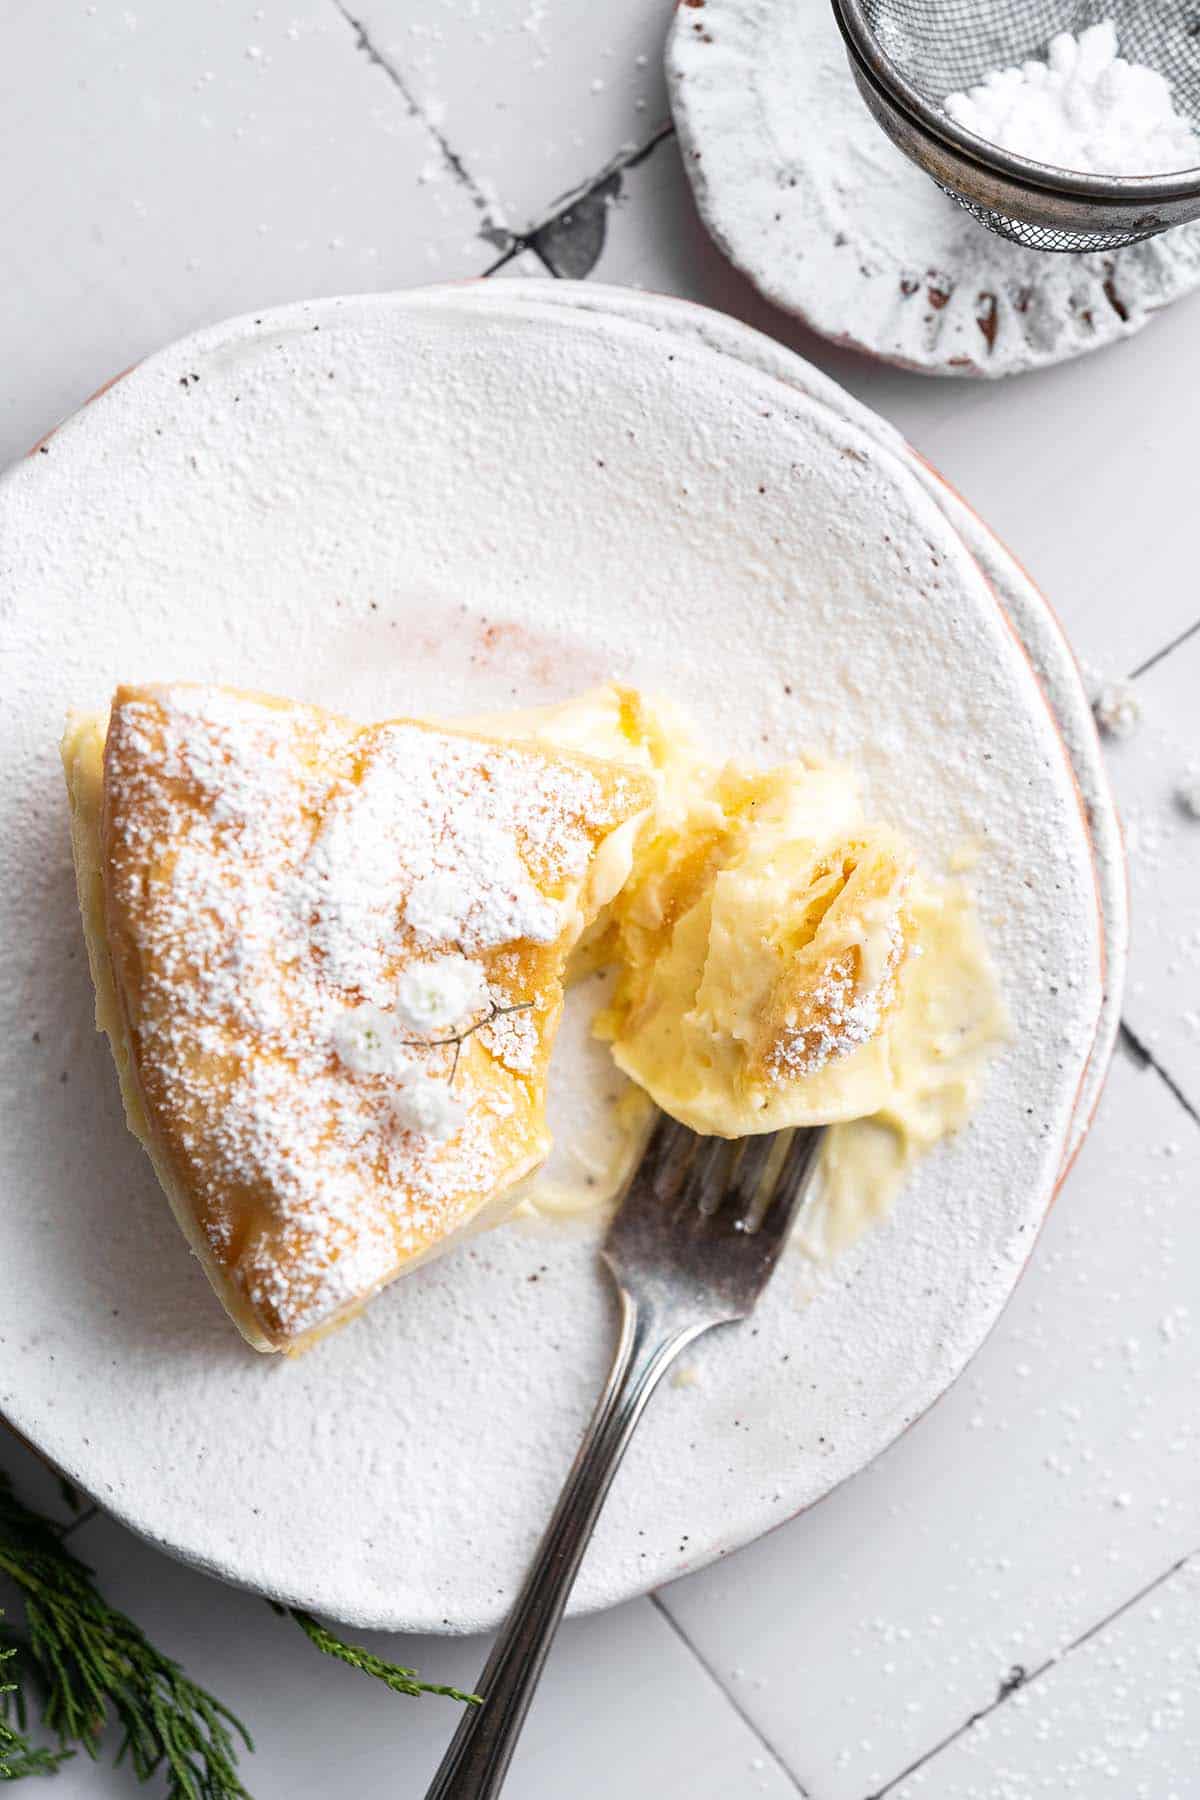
329 960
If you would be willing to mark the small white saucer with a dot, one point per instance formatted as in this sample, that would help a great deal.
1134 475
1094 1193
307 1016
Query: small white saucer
802 190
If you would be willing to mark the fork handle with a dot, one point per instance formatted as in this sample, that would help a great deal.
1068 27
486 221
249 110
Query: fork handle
475 1765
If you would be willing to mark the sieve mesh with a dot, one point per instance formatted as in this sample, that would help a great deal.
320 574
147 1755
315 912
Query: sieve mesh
940 46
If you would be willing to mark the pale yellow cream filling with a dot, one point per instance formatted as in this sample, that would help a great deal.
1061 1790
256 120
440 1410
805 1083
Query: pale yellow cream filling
705 977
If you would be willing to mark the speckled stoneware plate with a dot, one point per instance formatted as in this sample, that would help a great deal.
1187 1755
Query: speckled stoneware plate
1032 618
387 507
802 190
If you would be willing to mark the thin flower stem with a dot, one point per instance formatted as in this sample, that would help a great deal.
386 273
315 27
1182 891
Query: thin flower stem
459 1038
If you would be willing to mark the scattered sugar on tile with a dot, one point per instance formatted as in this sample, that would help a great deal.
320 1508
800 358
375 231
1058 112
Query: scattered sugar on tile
1118 709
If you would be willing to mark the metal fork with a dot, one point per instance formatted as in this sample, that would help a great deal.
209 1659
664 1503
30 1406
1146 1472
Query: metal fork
697 1236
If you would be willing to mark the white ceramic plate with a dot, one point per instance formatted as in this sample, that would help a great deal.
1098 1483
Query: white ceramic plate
384 506
1033 620
802 190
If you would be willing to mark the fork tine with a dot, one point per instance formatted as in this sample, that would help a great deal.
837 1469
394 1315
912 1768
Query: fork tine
772 1211
749 1171
665 1158
706 1184
704 1220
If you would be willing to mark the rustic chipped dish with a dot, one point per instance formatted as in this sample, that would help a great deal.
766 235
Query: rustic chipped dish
398 506
808 197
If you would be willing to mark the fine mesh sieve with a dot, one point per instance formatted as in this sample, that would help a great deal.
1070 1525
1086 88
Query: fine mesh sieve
907 55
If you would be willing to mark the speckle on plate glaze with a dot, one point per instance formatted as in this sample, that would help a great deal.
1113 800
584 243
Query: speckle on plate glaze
398 1475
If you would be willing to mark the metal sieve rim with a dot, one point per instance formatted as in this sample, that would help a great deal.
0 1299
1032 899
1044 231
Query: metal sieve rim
1110 190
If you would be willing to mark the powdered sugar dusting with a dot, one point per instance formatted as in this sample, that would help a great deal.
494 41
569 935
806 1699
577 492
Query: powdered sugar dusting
512 1039
289 1017
841 1013
429 1108
437 904
416 815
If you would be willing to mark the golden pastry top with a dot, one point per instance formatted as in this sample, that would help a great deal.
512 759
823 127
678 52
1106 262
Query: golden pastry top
338 954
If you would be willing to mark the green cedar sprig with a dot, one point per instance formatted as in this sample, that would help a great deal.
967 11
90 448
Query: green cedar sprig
90 1665
87 1664
400 1681
18 1756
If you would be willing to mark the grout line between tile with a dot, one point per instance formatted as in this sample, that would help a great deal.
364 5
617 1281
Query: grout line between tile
1020 1679
1147 1059
79 1522
549 267
516 249
751 1724
501 262
492 229
1151 661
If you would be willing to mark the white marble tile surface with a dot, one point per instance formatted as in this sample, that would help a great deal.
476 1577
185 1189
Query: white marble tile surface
1119 1717
180 164
535 96
173 165
1156 773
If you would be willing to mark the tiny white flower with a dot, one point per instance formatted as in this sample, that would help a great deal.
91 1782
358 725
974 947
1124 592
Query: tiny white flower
443 994
369 1042
427 1107
1118 709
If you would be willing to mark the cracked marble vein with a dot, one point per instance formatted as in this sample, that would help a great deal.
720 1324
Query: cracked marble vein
492 228
570 239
